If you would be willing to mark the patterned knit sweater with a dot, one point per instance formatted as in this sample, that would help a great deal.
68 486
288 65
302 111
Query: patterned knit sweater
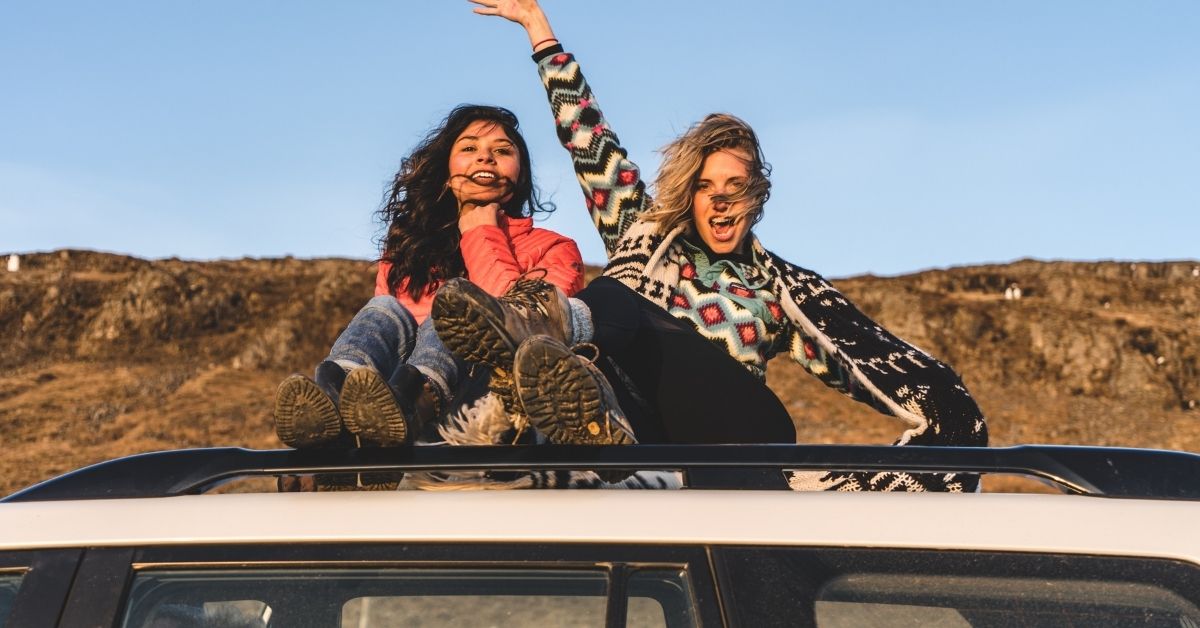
825 333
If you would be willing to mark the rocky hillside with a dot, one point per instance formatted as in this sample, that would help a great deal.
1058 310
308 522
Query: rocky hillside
105 355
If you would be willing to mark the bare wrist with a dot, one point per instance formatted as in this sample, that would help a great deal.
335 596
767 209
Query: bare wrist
538 28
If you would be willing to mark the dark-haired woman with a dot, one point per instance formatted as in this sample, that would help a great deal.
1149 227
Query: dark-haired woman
461 205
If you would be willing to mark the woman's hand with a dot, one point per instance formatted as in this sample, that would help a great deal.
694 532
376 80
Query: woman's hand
471 216
527 13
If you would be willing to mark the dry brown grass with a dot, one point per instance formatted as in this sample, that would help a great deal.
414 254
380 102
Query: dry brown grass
107 356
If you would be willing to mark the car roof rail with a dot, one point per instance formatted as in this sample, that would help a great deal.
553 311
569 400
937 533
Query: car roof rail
1106 471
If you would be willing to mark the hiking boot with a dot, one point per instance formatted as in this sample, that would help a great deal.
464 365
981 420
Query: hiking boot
478 327
501 384
328 482
387 414
306 410
322 482
566 397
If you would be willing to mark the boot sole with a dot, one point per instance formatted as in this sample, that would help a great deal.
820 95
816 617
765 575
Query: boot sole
470 328
559 395
356 482
304 415
370 410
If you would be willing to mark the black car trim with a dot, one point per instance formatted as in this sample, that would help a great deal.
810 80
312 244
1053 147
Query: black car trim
1114 472
99 588
615 609
47 579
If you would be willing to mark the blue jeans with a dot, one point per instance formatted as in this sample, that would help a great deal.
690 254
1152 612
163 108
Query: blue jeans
384 335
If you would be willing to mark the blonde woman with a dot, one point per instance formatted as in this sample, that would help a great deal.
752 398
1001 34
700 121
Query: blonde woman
691 305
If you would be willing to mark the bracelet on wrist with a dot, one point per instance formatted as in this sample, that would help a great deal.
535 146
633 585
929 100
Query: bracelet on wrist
545 41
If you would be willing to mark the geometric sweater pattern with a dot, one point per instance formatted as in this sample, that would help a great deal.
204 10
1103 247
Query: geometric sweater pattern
712 298
830 337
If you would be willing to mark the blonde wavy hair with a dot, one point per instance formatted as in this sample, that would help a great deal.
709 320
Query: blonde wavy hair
683 159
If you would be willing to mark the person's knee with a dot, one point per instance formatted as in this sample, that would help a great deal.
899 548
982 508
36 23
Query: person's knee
391 307
612 304
608 290
386 302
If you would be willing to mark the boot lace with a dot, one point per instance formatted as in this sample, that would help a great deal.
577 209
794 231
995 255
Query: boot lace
586 347
530 293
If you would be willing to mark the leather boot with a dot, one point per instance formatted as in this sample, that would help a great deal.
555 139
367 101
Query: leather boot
387 413
566 397
478 327
306 410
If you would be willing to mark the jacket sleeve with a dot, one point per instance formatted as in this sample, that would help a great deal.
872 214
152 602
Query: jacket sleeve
418 308
563 265
381 277
489 258
612 185
494 265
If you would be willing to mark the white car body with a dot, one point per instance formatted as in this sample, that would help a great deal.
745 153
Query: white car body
139 543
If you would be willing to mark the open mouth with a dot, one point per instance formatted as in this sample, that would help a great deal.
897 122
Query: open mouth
722 227
484 178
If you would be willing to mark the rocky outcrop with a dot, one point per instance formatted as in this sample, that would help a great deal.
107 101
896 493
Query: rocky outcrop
1104 330
106 355
82 305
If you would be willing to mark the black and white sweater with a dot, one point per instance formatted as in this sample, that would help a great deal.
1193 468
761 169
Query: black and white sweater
853 353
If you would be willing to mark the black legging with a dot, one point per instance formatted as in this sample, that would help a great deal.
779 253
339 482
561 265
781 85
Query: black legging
693 391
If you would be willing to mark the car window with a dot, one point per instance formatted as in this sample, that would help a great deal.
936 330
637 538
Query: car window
482 598
830 588
965 601
9 583
362 598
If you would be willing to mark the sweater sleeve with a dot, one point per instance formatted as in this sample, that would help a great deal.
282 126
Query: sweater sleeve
612 185
848 351
819 363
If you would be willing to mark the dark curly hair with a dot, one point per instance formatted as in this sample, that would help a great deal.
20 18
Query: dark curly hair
421 214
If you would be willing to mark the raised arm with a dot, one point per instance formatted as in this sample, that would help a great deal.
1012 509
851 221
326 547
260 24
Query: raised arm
612 184
848 351
527 13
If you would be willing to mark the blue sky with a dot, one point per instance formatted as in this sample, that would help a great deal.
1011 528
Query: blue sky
903 135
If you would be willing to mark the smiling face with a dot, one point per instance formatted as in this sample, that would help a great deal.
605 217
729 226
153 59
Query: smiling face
484 165
722 225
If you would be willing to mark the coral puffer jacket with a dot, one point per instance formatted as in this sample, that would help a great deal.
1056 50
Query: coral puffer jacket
496 257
